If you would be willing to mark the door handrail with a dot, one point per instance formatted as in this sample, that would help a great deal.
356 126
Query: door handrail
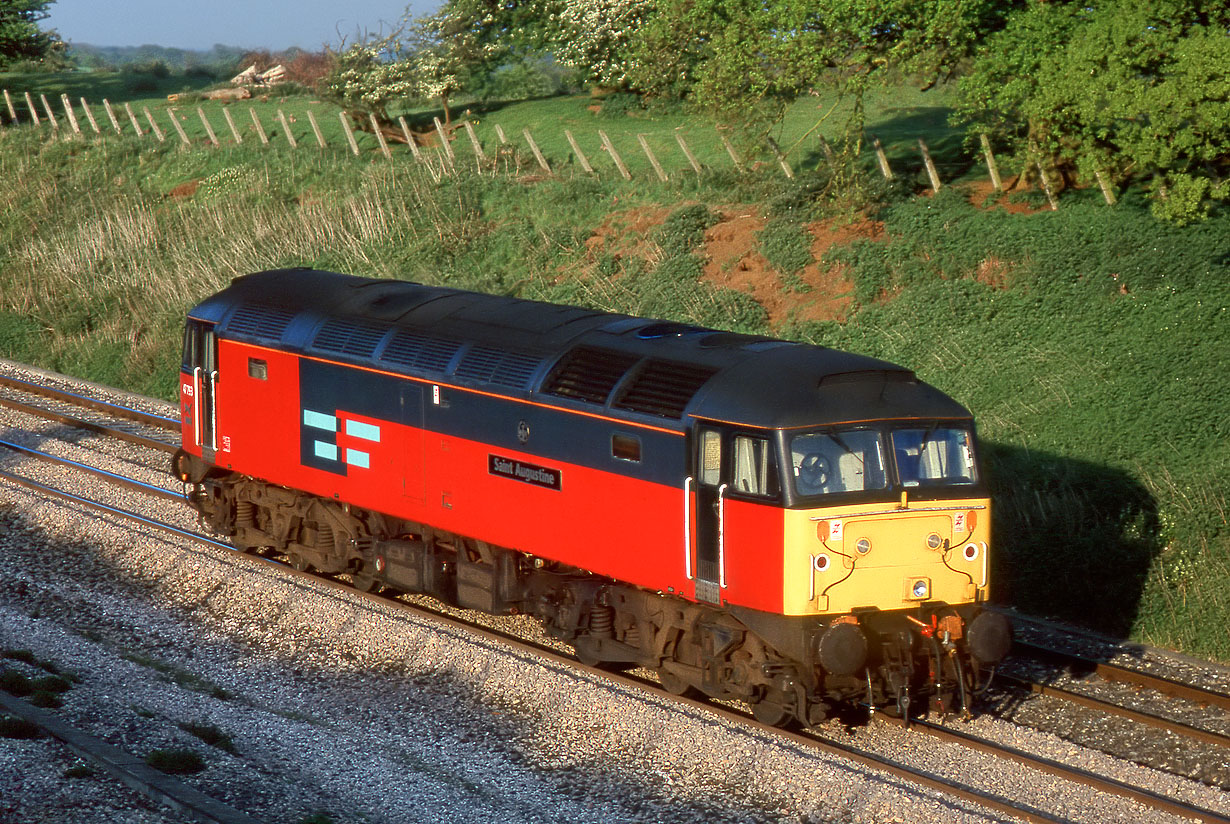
687 527
721 501
196 404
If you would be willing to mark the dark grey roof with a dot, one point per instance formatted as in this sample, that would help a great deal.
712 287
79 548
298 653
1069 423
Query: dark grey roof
628 366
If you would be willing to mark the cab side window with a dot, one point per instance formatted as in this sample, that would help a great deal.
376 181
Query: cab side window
754 471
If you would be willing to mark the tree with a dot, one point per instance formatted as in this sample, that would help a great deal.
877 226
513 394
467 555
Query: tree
738 57
21 39
1131 91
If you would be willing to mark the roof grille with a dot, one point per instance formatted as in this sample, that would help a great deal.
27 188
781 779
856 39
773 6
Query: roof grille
349 338
664 388
260 321
498 367
420 352
588 374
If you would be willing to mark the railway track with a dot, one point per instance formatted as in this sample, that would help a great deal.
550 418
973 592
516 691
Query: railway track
112 414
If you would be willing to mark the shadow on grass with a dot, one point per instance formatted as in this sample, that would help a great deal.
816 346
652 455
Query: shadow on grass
1075 539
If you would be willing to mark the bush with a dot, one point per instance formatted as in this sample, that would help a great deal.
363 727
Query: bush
175 761
13 727
785 245
211 735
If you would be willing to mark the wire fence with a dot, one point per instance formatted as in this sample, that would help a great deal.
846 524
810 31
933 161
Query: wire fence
444 149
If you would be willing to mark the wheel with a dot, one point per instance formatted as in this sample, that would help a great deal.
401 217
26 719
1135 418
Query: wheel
814 470
675 685
365 581
771 713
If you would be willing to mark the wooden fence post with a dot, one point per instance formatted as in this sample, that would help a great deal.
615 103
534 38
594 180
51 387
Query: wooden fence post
89 115
354 146
384 146
992 166
55 124
1108 194
230 122
930 164
882 159
478 147
448 150
183 136
781 158
686 151
730 150
542 161
260 129
70 114
115 122
153 124
610 149
8 101
499 132
653 161
1042 175
209 129
290 138
576 149
33 110
136 124
410 141
320 138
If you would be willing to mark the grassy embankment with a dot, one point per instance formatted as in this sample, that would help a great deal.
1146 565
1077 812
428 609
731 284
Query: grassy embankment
1092 343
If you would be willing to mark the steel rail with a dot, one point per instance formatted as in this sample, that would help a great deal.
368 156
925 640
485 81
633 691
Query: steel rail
1114 672
862 757
1074 774
147 418
1140 716
809 739
89 503
81 423
110 477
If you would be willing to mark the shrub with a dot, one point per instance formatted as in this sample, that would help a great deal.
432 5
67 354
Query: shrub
13 727
211 735
175 761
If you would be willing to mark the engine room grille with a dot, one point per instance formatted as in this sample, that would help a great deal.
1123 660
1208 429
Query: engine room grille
663 388
589 374
420 352
260 321
498 367
349 338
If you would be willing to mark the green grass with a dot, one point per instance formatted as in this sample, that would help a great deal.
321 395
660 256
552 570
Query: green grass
175 761
1089 342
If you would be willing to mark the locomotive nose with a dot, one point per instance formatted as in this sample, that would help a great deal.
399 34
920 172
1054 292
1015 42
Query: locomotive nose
989 637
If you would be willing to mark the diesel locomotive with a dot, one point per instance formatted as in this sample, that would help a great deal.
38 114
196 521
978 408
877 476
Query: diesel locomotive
754 519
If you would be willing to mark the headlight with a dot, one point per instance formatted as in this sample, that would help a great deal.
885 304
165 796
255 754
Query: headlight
863 546
920 589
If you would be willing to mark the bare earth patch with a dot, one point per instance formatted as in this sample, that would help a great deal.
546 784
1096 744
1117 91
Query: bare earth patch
733 262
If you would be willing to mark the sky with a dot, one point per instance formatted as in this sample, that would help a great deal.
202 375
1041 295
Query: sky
199 24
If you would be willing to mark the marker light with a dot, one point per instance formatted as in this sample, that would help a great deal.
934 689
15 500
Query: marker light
933 541
971 552
971 521
820 563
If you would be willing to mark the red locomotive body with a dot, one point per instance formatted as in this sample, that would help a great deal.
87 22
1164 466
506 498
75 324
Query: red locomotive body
641 486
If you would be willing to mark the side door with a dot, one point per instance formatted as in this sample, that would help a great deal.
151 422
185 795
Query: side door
708 511
201 359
